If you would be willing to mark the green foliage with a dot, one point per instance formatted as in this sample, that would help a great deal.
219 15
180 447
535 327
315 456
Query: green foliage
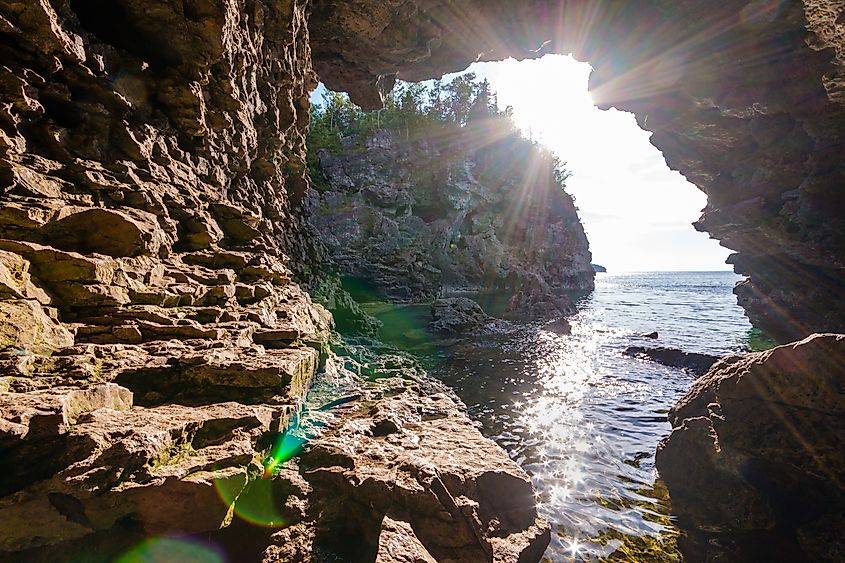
417 111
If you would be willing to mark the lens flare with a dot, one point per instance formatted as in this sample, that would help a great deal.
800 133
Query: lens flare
172 550
761 12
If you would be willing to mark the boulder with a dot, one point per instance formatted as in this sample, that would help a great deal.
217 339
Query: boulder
428 470
758 445
457 315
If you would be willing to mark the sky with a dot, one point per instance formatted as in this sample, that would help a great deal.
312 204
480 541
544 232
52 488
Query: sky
637 213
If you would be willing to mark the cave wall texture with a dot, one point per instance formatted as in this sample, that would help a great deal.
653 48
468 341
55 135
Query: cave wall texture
152 168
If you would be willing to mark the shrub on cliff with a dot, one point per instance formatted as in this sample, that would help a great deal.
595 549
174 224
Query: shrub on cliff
462 114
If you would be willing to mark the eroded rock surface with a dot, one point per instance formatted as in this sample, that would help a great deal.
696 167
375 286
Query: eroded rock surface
404 475
756 454
453 210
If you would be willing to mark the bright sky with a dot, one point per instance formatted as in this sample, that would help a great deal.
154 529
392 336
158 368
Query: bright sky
637 212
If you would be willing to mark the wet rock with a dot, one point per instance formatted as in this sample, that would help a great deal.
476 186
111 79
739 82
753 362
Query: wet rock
559 326
697 364
457 315
534 299
757 445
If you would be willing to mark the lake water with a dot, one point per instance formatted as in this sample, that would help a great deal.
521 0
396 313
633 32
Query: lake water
582 419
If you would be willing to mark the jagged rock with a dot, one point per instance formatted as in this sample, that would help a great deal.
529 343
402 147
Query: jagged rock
534 299
15 281
106 231
464 499
26 325
757 445
414 217
348 316
51 412
398 544
695 363
115 464
457 315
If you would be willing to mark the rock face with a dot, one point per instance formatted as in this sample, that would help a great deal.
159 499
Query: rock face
744 99
152 342
449 213
755 454
457 315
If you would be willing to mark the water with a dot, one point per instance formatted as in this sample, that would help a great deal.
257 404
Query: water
582 419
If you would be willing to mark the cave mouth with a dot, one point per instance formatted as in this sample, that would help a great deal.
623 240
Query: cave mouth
566 399
636 211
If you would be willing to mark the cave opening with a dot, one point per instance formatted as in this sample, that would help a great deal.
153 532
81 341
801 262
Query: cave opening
411 206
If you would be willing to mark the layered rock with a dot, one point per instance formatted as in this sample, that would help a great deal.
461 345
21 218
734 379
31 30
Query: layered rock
406 476
755 455
153 344
459 210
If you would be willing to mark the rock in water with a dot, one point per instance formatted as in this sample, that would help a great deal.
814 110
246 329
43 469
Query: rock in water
757 452
695 363
457 315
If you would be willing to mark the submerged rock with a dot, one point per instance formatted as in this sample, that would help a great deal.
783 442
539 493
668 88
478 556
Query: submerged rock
693 362
757 452
457 315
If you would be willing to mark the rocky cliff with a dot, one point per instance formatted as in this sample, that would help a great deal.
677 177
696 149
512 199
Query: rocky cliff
467 211
156 351
153 183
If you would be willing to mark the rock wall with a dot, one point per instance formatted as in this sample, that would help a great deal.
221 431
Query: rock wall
743 99
154 344
450 212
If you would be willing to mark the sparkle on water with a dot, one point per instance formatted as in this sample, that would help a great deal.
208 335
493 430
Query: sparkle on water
583 419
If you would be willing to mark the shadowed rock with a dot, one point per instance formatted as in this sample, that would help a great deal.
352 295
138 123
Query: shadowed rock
695 363
758 446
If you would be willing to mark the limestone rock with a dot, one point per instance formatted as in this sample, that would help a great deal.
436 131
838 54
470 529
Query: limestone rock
398 544
429 468
15 281
413 217
758 443
27 326
457 315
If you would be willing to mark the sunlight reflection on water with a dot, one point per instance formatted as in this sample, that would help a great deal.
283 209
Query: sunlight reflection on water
582 419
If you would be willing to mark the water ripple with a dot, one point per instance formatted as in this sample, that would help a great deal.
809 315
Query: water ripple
584 420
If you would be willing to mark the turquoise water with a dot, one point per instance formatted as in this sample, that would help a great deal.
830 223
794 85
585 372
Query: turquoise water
582 419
